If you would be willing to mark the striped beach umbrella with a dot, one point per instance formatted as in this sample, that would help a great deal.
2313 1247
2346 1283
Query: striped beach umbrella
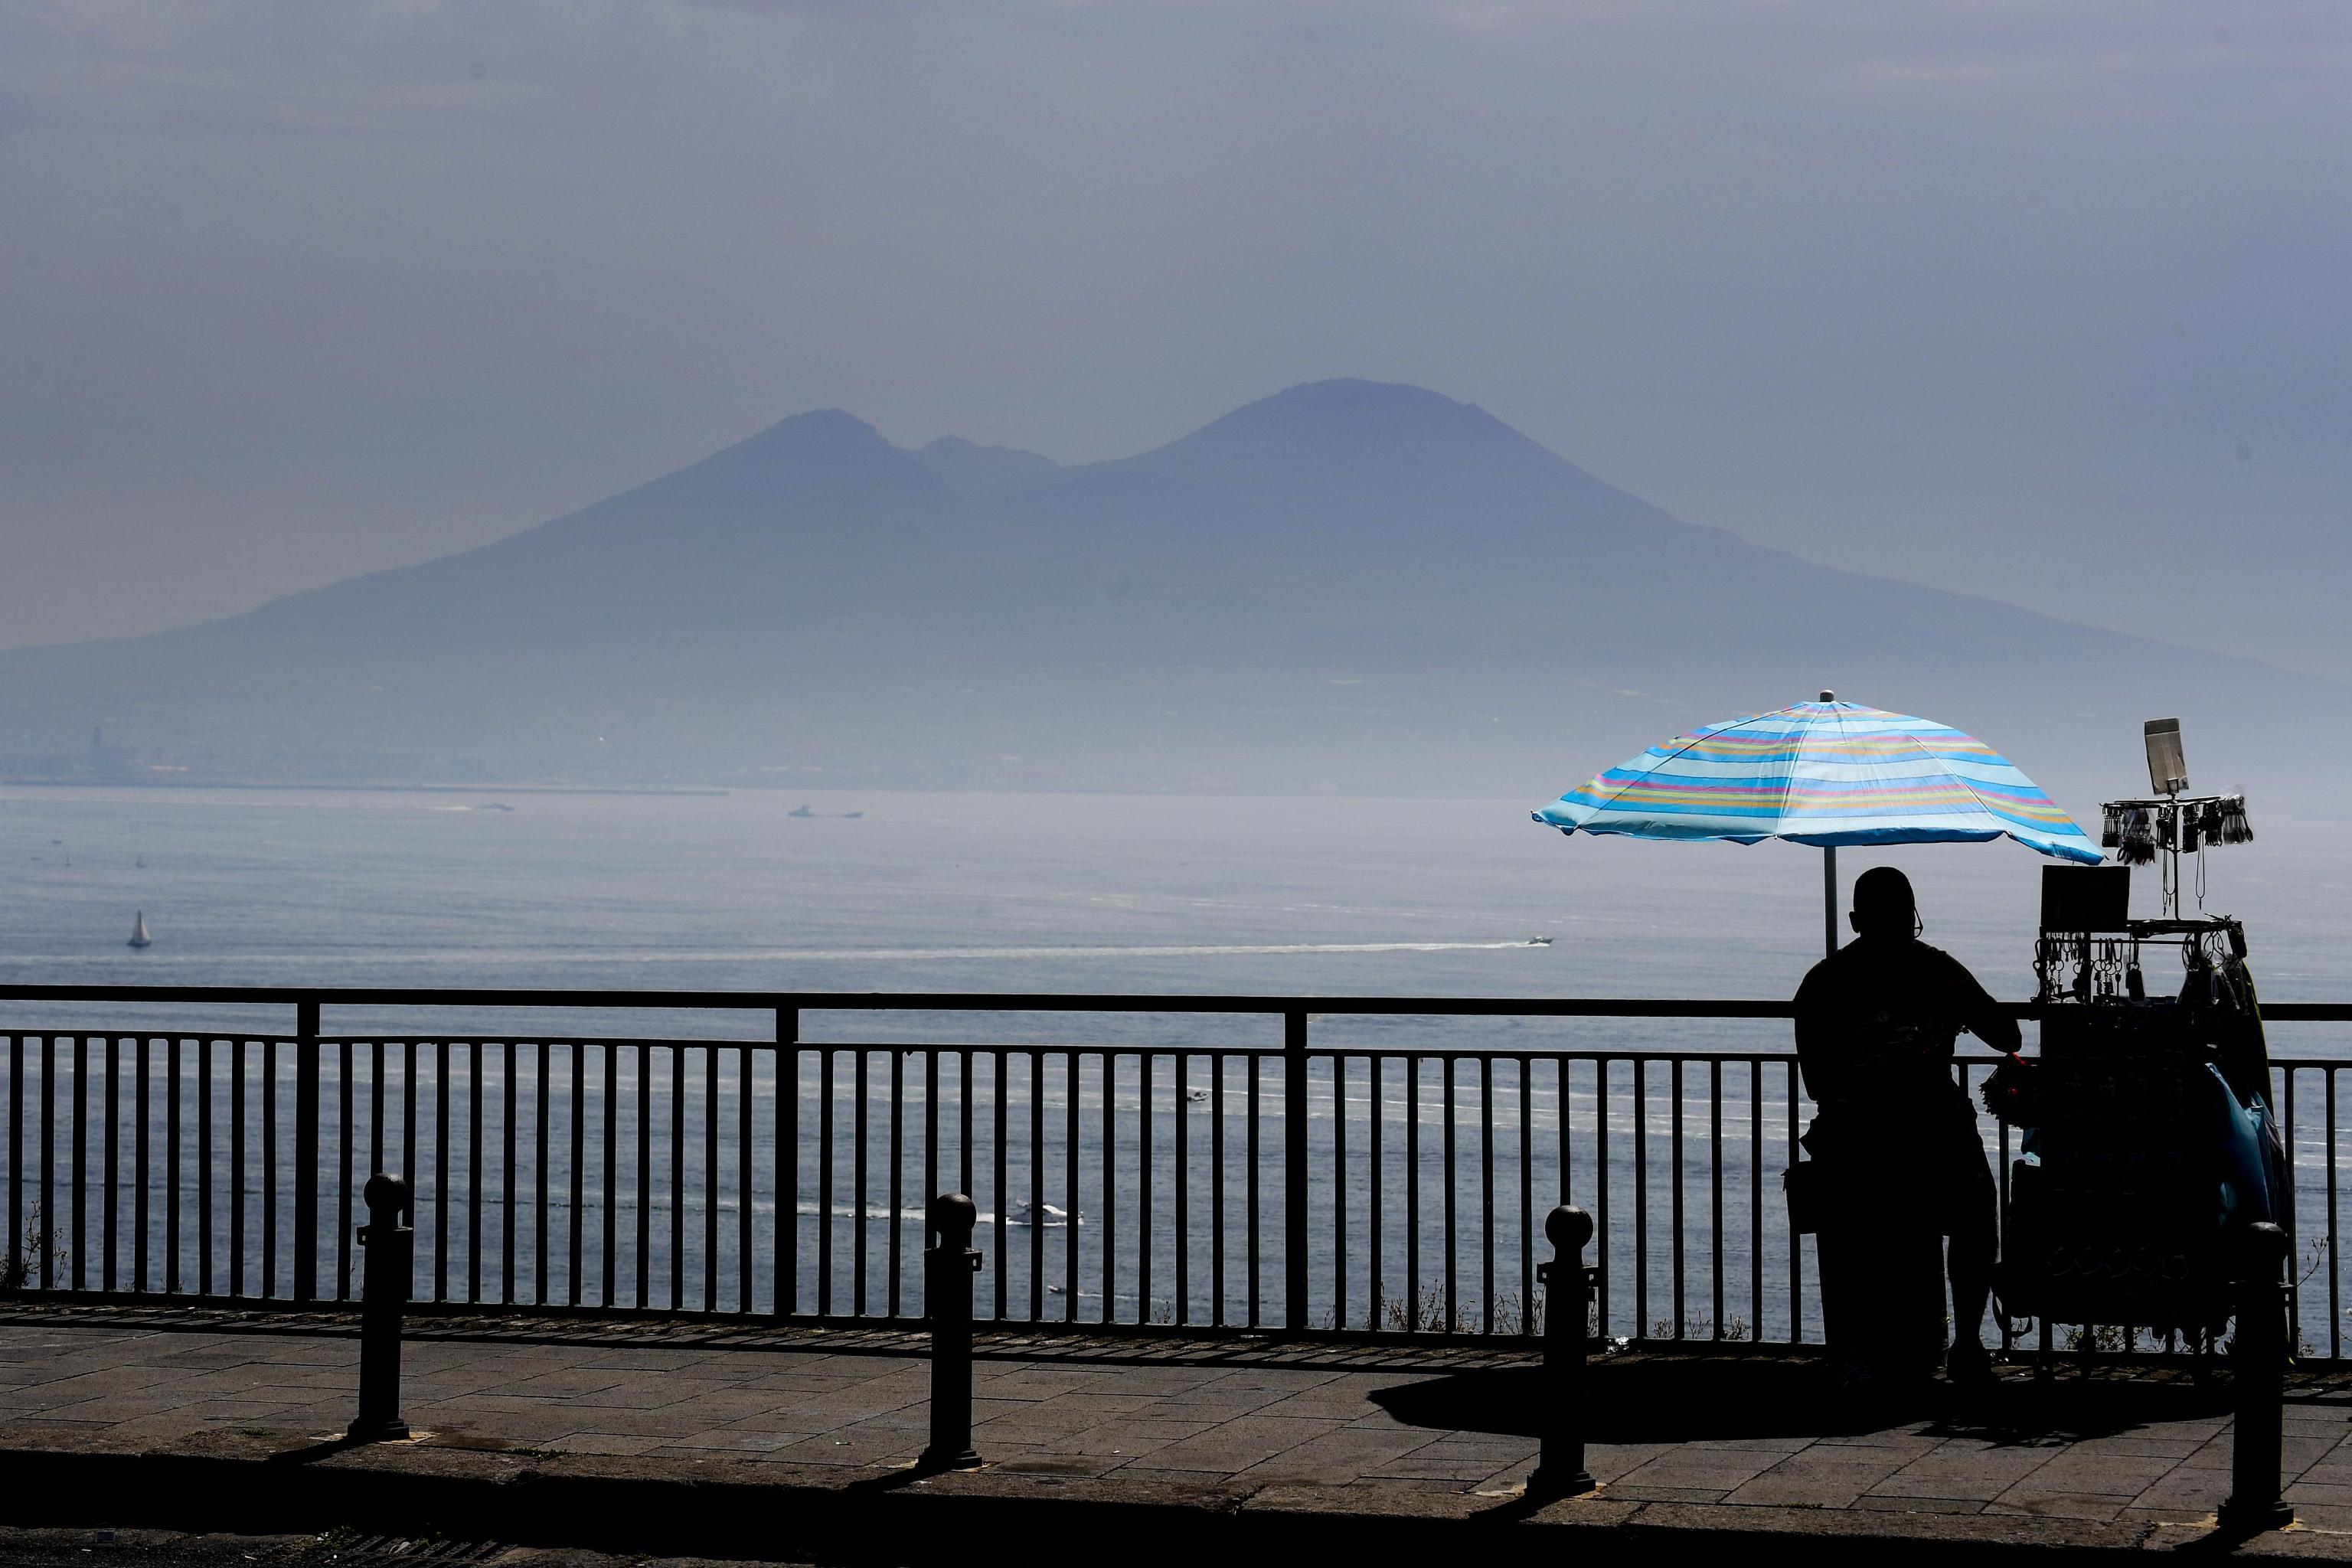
1824 774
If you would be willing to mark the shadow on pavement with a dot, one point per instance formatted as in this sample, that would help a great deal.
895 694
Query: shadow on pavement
1682 1399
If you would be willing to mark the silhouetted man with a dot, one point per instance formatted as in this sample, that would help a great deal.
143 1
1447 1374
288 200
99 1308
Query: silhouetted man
1896 1139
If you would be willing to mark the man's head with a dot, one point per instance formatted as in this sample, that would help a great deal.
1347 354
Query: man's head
1883 907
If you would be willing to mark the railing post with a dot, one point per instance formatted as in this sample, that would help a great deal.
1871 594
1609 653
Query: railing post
383 1294
2258 1353
1568 1302
306 1151
788 1159
947 1268
1293 1170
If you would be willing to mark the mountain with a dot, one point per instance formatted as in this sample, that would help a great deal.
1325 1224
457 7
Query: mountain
965 466
1347 585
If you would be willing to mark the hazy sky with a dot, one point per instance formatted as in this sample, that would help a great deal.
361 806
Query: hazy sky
2047 301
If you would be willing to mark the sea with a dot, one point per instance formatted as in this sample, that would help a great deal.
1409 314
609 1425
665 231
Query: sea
763 892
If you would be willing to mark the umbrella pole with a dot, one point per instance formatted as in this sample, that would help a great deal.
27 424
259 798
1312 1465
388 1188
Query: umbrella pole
1829 897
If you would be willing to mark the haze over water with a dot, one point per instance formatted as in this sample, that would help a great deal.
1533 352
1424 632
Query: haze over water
1004 892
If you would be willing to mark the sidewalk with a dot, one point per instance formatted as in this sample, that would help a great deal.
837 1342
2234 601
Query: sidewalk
695 1440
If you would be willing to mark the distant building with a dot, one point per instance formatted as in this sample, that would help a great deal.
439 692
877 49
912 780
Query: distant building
107 762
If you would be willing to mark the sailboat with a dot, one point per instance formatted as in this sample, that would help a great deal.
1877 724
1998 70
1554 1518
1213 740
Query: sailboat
139 937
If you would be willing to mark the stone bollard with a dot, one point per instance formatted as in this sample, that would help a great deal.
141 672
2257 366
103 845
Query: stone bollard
948 1269
2258 1351
1568 1301
383 1294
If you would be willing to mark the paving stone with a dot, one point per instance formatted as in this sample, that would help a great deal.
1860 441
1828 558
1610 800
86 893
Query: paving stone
2105 1474
865 1449
1037 1382
1632 1491
1876 1503
206 1355
1698 1469
1031 1424
1977 1477
673 1422
644 1391
1126 1437
2297 1455
603 1443
2183 1487
1471 1445
561 1384
290 1351
2059 1505
45 1427
1161 1379
1814 1477
660 1358
2334 1470
1609 1462
784 1444
90 1382
1335 1456
1219 1406
1905 1443
1231 1447
2137 1444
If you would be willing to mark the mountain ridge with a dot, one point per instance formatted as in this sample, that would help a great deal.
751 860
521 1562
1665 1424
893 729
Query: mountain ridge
1346 580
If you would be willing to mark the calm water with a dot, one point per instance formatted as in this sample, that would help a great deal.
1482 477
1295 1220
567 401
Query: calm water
1022 893
1004 892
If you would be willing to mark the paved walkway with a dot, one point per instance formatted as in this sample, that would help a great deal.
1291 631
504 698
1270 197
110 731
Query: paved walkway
1717 1443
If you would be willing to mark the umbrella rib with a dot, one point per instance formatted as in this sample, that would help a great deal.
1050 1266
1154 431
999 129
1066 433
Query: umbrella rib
1966 782
1789 785
1969 785
1693 739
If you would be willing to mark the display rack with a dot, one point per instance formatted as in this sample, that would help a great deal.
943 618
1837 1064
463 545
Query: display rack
2148 1137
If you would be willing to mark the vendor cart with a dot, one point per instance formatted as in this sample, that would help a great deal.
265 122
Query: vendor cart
2149 1141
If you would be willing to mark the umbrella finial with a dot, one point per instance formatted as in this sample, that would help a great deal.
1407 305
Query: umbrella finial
1829 695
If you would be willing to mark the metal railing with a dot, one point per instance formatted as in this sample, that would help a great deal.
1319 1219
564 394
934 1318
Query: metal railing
1301 1183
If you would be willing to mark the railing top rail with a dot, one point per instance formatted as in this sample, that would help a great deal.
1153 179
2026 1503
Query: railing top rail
911 1001
1006 1001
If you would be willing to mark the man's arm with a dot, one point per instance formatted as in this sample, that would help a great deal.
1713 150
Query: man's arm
1982 1017
1813 1039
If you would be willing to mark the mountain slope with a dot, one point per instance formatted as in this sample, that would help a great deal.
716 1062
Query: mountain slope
1345 585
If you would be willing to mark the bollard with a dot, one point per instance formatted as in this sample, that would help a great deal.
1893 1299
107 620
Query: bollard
948 1269
2258 1357
384 1293
1568 1300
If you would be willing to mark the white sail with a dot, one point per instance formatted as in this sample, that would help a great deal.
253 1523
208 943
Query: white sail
139 937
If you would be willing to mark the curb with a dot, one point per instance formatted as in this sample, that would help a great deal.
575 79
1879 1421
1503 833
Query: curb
727 1508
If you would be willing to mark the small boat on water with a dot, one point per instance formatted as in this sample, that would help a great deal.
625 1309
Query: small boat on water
1045 1216
803 810
139 937
1539 941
